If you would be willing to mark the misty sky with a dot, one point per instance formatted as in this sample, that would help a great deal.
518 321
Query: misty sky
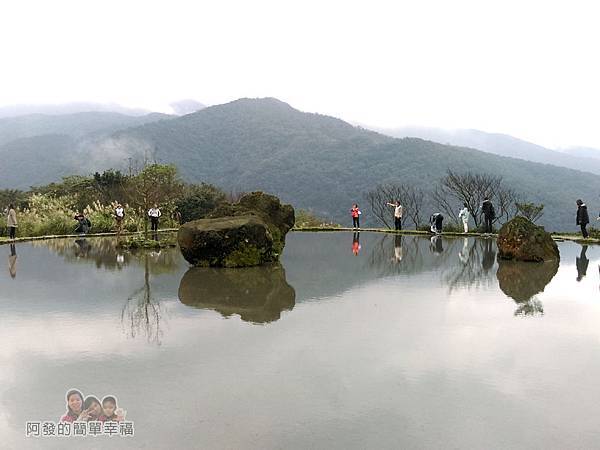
530 69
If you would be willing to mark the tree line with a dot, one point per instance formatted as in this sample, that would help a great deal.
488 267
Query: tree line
449 195
49 209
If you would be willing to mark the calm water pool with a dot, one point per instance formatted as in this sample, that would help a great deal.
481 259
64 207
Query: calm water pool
382 343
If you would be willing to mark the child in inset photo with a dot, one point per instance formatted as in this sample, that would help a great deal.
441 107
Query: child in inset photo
92 409
110 410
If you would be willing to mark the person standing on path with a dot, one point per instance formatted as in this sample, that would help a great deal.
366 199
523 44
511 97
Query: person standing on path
464 215
398 210
582 217
119 218
355 213
11 222
489 214
154 214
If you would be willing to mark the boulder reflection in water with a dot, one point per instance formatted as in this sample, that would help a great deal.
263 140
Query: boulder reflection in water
523 280
256 294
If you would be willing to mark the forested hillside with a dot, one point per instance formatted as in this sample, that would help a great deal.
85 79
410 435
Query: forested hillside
313 161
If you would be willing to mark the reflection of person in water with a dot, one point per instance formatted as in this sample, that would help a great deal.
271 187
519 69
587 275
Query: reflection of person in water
12 261
582 263
463 254
356 244
436 244
489 256
83 248
397 248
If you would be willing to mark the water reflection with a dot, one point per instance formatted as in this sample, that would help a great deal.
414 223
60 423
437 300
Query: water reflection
582 262
356 244
141 313
12 261
103 252
473 267
476 258
398 248
82 248
256 294
523 280
436 244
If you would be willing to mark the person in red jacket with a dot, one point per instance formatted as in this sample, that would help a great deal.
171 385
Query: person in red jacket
355 213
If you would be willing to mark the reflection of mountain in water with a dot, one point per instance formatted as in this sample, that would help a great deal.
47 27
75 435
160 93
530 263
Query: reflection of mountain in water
257 294
523 280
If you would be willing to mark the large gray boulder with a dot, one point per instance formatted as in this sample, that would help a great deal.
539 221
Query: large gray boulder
522 240
248 233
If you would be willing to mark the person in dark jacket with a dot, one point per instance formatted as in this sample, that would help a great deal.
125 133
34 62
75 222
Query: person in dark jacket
83 224
582 217
436 220
489 214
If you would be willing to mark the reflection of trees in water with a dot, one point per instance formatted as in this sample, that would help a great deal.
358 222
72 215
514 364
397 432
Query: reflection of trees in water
141 313
522 281
384 256
102 251
465 262
476 259
256 294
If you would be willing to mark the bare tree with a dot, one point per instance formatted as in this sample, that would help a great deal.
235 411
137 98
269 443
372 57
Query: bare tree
378 200
530 211
471 189
413 198
410 197
507 200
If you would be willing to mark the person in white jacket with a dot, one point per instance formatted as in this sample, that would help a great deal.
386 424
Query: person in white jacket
464 215
397 214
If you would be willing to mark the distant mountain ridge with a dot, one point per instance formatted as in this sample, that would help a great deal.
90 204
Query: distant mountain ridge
310 160
76 125
503 145
69 108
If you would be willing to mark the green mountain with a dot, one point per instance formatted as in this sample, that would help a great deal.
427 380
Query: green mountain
325 164
310 160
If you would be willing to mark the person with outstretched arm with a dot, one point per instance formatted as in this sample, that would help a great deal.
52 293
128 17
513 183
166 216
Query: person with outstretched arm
398 210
